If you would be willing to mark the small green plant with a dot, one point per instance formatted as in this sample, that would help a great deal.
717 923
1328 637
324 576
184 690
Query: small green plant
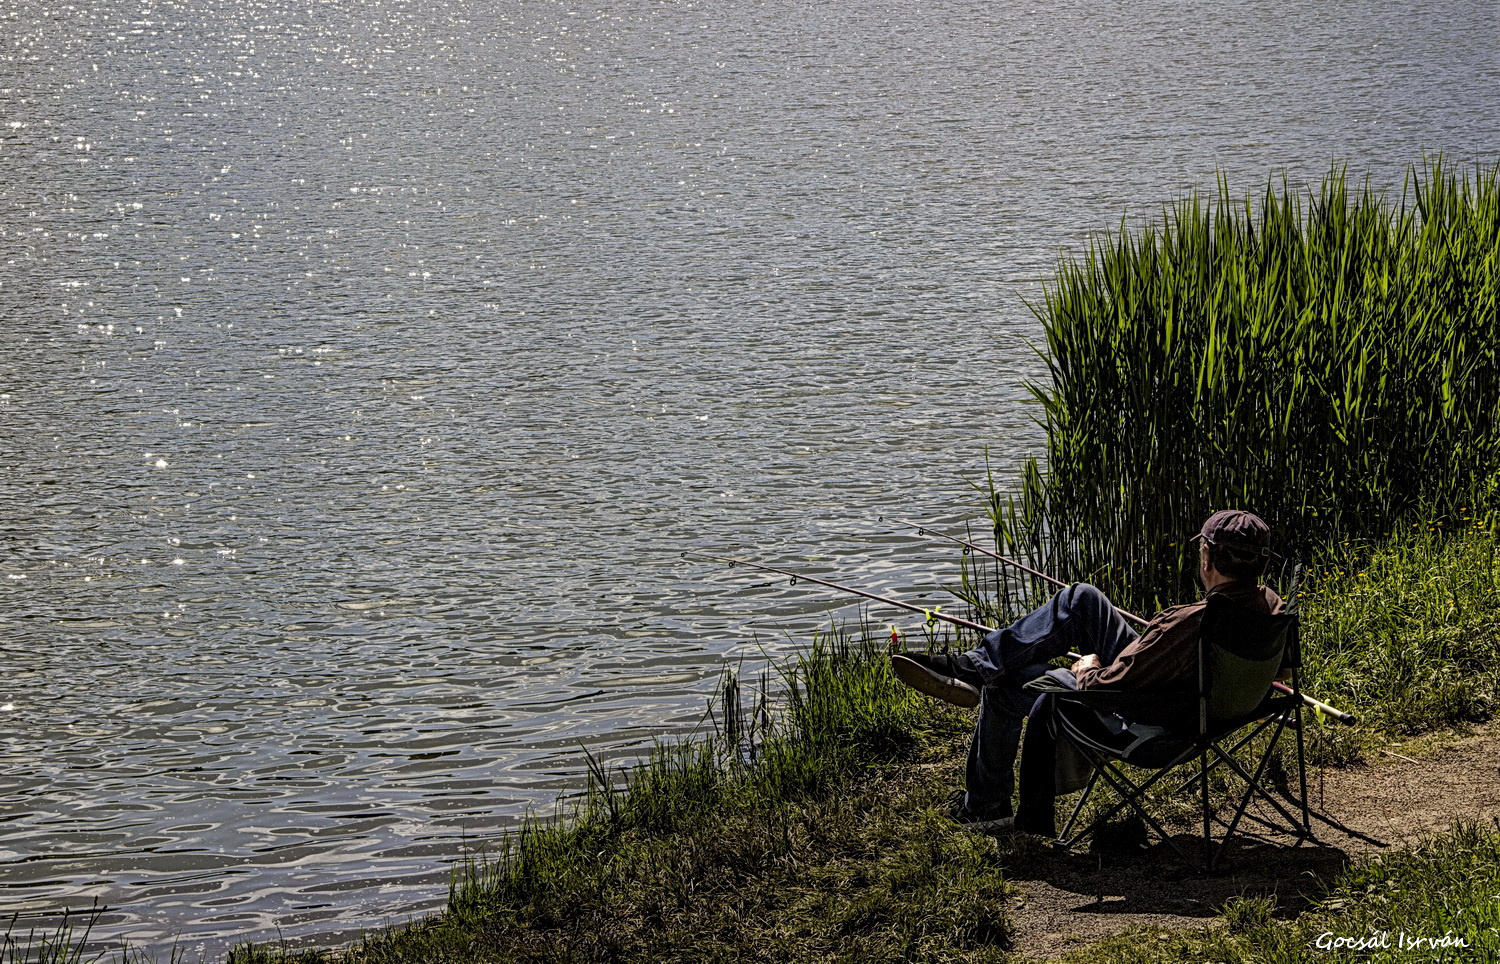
64 943
1247 912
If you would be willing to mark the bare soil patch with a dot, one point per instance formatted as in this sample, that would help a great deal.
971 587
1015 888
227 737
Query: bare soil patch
1406 793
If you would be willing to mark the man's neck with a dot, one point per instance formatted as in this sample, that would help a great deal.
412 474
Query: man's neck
1215 580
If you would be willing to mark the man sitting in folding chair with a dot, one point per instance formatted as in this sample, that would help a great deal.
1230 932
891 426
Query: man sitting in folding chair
1163 661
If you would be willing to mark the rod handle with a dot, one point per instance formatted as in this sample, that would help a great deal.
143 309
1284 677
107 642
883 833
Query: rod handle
1345 718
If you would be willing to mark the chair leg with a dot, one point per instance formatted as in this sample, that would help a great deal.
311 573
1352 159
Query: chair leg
1255 788
1208 838
1132 798
1130 794
1232 750
1252 788
1302 769
1063 840
1305 822
1078 807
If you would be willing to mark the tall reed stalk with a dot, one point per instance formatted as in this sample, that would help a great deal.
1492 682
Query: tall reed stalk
1328 360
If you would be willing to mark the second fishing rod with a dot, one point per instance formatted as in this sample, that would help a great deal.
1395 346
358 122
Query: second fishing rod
923 529
933 614
927 530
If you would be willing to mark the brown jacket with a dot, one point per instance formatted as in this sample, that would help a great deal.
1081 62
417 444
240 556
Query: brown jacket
1165 656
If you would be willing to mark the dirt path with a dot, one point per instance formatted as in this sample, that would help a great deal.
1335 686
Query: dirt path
1407 793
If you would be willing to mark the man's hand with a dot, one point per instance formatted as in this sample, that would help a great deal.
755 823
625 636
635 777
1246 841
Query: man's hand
1087 662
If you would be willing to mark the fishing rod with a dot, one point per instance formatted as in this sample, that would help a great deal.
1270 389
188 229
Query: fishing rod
929 531
1316 704
887 600
931 614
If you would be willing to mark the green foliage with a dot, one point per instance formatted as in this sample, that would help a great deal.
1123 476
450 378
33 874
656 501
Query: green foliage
64 943
1406 634
250 953
1328 361
1246 913
843 699
1448 886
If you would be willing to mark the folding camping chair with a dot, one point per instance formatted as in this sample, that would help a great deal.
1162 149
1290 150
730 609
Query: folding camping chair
1240 652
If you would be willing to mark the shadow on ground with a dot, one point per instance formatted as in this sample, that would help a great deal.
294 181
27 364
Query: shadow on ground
1126 880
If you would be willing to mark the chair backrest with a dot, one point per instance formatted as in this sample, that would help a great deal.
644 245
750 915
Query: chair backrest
1241 652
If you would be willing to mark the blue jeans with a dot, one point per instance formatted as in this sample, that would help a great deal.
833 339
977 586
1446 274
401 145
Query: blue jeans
1078 618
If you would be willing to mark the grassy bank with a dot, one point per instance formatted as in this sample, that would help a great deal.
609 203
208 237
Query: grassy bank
831 843
1435 902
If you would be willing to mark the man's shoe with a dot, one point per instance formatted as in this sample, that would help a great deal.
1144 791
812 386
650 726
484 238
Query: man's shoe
980 821
939 675
959 667
999 827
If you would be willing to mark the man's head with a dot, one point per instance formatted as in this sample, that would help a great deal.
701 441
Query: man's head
1235 543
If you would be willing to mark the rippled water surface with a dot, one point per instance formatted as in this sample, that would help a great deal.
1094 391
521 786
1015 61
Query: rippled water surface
367 364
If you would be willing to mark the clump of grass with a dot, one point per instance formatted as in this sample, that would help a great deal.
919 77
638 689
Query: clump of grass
65 942
1248 913
1407 634
1447 886
1326 360
252 953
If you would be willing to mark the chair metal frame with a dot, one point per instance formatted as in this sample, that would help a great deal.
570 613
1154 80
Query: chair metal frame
1178 747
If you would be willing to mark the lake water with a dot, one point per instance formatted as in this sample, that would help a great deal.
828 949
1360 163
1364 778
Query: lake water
368 364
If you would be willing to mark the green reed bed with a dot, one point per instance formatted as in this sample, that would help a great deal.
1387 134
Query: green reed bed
1327 359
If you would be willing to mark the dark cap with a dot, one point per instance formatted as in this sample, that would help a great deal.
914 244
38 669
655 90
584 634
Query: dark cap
1237 529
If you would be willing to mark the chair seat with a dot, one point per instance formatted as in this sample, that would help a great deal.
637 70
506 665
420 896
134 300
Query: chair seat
1138 744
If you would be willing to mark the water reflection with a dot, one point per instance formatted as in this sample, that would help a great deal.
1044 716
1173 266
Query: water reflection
368 364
